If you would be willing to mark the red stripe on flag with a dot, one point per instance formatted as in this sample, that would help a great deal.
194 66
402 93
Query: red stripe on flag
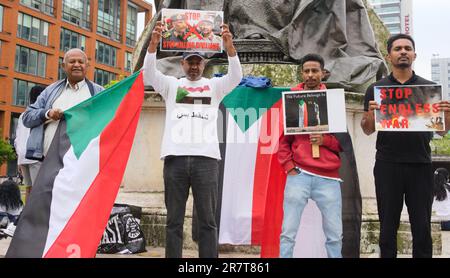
274 179
269 175
82 233
305 115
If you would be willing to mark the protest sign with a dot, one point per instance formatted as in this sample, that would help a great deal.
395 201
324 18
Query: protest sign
314 112
191 30
409 108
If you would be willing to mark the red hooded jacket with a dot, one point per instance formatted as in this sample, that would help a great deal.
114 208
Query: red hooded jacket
296 150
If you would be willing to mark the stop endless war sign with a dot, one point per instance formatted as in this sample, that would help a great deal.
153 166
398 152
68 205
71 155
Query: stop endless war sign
409 108
314 112
191 30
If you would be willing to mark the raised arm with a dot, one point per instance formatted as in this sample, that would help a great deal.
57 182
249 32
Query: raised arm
152 76
228 82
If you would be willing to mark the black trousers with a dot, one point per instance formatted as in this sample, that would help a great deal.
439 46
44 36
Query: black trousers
413 183
202 174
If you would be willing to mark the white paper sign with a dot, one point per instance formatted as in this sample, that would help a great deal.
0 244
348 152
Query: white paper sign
321 111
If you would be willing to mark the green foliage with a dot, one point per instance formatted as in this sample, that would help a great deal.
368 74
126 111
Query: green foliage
112 82
380 30
6 151
441 146
281 75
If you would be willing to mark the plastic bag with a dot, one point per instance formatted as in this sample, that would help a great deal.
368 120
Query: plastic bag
123 233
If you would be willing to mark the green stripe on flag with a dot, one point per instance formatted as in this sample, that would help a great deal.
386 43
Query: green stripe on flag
87 120
244 98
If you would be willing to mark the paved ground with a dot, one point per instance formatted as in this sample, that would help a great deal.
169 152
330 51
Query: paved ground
158 252
152 252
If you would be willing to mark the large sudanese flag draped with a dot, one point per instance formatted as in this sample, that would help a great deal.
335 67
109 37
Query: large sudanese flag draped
78 182
252 180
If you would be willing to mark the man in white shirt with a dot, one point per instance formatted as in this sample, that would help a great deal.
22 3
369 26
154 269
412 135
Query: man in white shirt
43 116
28 168
190 146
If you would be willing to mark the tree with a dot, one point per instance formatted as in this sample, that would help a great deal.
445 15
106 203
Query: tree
6 151
113 82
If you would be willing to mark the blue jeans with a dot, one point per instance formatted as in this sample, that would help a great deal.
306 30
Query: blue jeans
327 194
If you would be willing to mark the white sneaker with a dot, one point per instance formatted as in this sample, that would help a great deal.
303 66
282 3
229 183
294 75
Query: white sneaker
9 231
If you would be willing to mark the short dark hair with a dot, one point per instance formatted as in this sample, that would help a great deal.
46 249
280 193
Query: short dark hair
313 57
35 92
393 38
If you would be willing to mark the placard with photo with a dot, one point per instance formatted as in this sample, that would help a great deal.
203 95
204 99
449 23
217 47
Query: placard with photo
409 108
320 111
191 30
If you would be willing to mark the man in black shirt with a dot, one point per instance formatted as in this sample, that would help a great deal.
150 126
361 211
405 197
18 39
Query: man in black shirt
403 160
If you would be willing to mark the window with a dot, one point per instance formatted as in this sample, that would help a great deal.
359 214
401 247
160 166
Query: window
45 6
105 54
61 73
103 77
380 2
131 25
77 12
435 71
109 19
70 39
394 29
30 61
391 19
1 18
21 90
128 61
387 9
32 29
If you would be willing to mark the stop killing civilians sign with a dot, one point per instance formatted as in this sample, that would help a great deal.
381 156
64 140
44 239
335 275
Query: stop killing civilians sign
321 111
409 108
191 30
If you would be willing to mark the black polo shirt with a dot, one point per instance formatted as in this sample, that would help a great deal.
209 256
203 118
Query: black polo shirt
401 147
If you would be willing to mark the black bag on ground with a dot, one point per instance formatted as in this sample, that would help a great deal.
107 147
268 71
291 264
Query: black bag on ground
123 233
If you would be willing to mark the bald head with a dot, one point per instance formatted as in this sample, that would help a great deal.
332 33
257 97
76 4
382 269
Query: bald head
75 64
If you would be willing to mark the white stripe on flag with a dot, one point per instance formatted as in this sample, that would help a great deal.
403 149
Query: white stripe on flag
70 186
237 196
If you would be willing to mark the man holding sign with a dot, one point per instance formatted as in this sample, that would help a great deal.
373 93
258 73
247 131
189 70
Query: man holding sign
403 167
309 177
190 146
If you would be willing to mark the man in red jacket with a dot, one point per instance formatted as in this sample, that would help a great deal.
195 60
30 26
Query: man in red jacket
311 178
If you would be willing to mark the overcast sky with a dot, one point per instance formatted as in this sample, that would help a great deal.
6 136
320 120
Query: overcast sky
431 23
431 31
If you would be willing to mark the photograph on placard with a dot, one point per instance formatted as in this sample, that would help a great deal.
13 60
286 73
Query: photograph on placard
321 111
306 112
409 108
191 30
